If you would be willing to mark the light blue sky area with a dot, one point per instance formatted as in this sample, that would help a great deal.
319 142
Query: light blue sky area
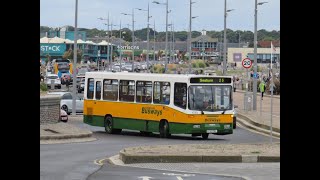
57 13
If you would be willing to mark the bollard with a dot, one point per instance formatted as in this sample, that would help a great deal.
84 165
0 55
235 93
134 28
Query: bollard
52 84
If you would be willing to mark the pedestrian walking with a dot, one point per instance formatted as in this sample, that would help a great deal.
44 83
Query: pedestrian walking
262 88
67 81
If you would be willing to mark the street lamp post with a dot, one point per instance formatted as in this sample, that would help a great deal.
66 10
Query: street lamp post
170 43
75 60
165 51
239 39
120 49
254 98
154 41
108 45
225 37
173 42
111 48
189 35
132 35
148 32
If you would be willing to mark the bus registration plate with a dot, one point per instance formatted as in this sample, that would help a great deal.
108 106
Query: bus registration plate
212 131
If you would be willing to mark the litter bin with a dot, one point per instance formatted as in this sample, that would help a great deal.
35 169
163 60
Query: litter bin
248 102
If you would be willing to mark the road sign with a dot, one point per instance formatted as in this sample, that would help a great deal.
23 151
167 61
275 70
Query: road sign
246 63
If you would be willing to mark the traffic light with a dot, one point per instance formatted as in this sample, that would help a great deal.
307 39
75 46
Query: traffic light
99 62
103 63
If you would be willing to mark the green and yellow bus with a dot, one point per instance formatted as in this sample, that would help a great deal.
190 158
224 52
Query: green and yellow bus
166 103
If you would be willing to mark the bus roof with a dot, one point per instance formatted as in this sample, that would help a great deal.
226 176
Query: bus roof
144 76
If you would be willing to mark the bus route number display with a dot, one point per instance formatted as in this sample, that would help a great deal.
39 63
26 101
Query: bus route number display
221 80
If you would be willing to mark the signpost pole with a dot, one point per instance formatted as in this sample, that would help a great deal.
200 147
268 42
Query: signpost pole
246 94
246 63
261 105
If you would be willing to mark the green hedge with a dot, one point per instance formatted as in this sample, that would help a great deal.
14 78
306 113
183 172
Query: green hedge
43 86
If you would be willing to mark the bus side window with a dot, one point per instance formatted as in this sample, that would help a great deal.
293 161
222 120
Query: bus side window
90 88
110 89
126 90
161 92
144 90
98 90
180 95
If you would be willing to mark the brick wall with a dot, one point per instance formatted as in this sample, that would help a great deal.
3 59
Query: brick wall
49 109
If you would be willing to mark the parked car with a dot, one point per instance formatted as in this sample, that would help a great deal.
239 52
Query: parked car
63 116
235 116
56 81
66 102
79 79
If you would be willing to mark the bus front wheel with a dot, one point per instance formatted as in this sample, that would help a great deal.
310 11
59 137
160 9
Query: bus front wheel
108 125
164 129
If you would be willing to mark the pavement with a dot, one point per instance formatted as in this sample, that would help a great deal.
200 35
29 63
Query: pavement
64 133
258 121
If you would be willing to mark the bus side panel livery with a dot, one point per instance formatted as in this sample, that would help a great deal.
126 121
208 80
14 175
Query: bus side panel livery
135 101
129 116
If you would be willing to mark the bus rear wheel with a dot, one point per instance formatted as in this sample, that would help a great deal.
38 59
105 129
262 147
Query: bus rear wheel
108 125
205 135
164 129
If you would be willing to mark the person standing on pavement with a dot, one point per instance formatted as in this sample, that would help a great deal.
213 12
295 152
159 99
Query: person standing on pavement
67 80
262 88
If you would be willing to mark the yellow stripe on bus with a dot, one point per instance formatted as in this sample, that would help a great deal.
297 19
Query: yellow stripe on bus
149 112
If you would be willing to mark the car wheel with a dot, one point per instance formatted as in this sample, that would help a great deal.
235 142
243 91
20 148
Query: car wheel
65 108
234 122
205 135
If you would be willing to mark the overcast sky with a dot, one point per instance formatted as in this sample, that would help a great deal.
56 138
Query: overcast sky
57 13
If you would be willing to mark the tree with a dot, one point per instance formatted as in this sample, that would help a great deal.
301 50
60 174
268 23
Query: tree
48 58
69 55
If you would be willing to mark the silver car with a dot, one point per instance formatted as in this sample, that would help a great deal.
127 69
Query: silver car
66 102
53 79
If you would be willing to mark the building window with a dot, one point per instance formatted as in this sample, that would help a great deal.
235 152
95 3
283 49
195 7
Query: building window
110 89
144 90
161 92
